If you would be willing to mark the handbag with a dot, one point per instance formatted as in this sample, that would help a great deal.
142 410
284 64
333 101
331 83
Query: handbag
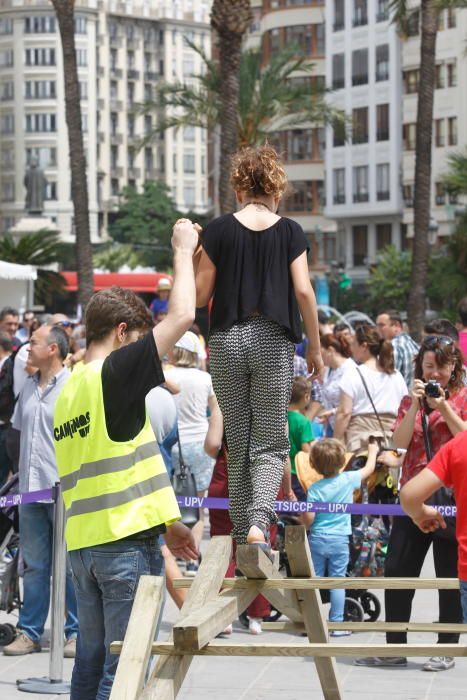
443 496
184 484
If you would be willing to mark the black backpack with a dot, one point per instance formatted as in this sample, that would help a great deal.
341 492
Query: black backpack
7 394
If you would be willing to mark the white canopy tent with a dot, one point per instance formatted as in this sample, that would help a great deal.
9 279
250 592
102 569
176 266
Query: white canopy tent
17 285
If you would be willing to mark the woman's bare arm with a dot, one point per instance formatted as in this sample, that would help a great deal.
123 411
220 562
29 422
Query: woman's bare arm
307 304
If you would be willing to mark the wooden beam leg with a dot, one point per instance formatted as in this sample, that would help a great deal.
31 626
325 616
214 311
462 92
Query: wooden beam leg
169 672
298 553
136 650
254 564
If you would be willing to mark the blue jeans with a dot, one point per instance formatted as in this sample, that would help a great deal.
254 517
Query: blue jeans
330 554
463 585
106 577
36 533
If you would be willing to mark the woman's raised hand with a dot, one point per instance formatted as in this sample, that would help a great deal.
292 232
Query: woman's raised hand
184 236
418 390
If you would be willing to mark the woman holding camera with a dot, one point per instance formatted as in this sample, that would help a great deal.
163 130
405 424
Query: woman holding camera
438 398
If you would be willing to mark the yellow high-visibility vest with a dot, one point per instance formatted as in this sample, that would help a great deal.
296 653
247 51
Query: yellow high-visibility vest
111 489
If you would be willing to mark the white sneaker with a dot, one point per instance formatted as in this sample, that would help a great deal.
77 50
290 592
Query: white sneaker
439 663
340 633
254 625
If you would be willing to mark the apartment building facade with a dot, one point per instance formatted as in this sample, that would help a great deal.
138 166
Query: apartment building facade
124 49
276 24
363 160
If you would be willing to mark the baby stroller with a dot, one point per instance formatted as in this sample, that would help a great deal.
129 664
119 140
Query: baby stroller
9 557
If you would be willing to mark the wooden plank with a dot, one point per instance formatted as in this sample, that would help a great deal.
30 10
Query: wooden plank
434 627
199 627
350 583
169 672
317 650
298 554
254 564
136 648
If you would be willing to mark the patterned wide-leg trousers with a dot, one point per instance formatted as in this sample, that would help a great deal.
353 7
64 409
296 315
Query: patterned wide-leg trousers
251 366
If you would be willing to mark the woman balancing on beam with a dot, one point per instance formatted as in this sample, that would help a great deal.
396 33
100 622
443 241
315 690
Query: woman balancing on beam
254 265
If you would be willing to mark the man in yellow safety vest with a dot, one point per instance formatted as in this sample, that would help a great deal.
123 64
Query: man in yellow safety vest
118 497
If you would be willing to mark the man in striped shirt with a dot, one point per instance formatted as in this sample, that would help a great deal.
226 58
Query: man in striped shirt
389 324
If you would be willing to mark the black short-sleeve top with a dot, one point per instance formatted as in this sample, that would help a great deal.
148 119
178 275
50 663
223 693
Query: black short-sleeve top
253 272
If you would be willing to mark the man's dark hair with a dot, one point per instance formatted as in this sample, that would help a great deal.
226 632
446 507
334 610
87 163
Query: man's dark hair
27 312
394 316
462 311
58 335
5 341
108 308
8 311
442 326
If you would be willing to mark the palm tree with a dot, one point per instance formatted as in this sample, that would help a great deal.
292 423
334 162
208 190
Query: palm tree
429 11
64 10
41 249
230 19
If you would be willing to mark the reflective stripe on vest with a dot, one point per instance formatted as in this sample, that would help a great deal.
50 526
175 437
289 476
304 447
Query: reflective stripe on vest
111 489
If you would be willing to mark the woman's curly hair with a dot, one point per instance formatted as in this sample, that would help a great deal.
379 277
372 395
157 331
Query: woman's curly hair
258 171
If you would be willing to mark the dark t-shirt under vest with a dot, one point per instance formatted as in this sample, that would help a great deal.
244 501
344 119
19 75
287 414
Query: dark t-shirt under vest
253 272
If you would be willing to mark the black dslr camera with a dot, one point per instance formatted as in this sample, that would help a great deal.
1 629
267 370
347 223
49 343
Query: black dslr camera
433 389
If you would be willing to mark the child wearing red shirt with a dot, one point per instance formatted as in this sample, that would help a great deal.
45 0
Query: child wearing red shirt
446 469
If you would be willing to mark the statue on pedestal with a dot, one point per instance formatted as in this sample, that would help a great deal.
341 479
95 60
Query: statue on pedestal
36 184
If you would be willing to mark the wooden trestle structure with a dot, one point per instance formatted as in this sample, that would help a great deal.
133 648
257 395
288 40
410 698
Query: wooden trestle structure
213 602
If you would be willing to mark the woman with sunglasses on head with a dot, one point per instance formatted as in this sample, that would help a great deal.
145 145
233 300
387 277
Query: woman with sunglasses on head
438 399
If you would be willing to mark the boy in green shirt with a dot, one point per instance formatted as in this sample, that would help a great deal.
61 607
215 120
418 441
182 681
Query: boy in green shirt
300 430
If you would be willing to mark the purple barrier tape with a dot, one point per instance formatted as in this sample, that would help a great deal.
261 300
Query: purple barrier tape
302 507
20 499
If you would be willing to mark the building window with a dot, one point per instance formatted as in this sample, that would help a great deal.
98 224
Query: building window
382 182
7 91
51 191
320 134
360 67
40 57
174 162
413 23
382 10
301 197
7 124
147 92
40 123
320 40
440 194
130 60
81 25
81 57
338 71
407 192
113 123
440 139
452 131
339 15
440 23
148 160
83 90
8 191
189 195
130 93
113 90
6 26
113 59
382 62
189 133
360 245
338 135
301 36
451 18
409 134
382 122
383 236
452 74
274 40
439 76
114 188
147 124
46 157
114 157
360 183
189 163
7 157
360 125
43 24
360 15
131 157
411 80
299 144
338 176
7 58
131 125
113 30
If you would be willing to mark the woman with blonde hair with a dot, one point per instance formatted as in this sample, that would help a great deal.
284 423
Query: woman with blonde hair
253 264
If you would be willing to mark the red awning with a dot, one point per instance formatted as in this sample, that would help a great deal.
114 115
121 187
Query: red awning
136 281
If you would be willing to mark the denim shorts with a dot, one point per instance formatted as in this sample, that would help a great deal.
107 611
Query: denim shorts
463 586
201 465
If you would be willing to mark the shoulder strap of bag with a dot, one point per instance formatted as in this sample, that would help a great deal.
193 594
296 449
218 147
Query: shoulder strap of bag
372 405
426 435
183 467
